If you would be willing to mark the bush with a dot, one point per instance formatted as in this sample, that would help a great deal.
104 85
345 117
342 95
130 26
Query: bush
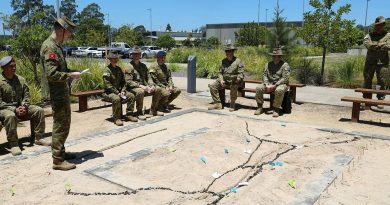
174 67
305 71
348 71
90 81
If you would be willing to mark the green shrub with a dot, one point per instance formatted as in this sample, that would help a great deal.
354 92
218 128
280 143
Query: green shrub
348 71
35 94
174 67
305 71
89 81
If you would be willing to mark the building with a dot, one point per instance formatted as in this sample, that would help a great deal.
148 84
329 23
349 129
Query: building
226 31
178 36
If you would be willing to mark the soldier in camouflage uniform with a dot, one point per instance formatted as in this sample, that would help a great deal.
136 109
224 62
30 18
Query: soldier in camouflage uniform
162 77
14 104
115 90
231 74
140 83
377 59
275 80
55 71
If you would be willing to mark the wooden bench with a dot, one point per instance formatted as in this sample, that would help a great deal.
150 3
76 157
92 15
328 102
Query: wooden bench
369 92
242 89
356 105
83 98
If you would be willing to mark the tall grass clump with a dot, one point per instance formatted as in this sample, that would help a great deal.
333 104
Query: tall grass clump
209 63
348 71
305 70
180 55
90 81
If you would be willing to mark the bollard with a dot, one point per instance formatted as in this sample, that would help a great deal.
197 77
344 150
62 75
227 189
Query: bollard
191 74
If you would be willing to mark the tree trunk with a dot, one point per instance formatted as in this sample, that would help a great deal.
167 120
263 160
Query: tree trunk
323 64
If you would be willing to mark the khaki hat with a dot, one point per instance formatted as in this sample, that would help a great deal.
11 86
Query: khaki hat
277 52
112 55
66 23
229 47
380 20
136 49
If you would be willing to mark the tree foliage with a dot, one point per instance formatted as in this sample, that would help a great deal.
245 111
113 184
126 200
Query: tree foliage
166 41
68 8
169 28
213 42
251 34
91 30
129 35
281 34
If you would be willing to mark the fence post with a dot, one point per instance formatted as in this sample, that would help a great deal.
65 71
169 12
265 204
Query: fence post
191 74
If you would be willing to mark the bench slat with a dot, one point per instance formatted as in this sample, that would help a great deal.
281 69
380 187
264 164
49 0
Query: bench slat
88 93
365 100
365 90
260 82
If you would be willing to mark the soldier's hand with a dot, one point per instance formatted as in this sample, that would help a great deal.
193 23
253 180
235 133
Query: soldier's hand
223 83
20 111
75 75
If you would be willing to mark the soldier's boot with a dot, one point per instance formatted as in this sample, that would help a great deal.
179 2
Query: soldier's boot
215 106
140 115
62 165
118 122
165 109
380 107
156 113
69 156
232 106
259 111
130 117
275 113
42 142
15 150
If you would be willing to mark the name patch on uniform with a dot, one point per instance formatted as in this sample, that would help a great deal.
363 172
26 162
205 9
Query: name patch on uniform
52 56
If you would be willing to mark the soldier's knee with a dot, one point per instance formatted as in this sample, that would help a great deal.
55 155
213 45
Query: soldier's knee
10 117
116 99
177 91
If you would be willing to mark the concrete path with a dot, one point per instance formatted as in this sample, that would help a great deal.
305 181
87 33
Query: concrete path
308 94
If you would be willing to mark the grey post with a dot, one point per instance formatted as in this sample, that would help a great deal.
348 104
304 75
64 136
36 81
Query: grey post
191 74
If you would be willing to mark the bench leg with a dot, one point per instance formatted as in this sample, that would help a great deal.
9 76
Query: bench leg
355 112
293 94
83 103
271 101
222 96
32 136
368 96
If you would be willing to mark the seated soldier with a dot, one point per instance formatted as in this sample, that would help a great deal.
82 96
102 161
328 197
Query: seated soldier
231 74
140 83
275 80
14 104
162 77
115 90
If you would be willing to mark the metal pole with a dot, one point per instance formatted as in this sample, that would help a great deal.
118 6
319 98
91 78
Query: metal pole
151 26
266 20
58 8
303 12
365 20
109 29
258 14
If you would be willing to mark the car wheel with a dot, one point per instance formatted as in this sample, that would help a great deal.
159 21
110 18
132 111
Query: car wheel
143 56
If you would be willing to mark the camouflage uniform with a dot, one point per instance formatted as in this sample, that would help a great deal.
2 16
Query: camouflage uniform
55 71
162 77
377 60
230 72
15 93
276 75
139 75
114 84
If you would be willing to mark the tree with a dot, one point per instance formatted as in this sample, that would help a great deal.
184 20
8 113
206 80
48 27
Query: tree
68 8
27 45
281 35
140 29
92 11
213 42
91 20
325 27
188 42
168 29
129 35
197 42
166 41
251 35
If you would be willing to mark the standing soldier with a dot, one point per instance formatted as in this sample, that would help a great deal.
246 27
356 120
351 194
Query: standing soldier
231 75
275 80
58 76
14 104
140 82
115 90
162 77
377 59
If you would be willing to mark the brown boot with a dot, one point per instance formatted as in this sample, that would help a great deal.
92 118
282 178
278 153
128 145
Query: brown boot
232 106
156 113
275 113
259 111
118 122
42 142
131 118
15 150
215 106
62 165
140 115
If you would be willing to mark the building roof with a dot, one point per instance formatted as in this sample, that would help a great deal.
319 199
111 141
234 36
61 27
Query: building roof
239 25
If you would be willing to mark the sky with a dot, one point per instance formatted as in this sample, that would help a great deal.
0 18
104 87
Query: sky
192 14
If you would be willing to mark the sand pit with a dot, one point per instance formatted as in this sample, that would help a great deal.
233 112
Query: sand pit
176 162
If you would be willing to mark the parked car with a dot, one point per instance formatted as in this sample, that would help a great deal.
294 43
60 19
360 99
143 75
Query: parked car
127 53
119 47
5 47
68 50
150 51
77 52
89 52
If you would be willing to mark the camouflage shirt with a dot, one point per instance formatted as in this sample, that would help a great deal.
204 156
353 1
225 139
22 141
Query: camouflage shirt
114 80
55 72
13 93
276 74
161 75
138 75
375 54
231 70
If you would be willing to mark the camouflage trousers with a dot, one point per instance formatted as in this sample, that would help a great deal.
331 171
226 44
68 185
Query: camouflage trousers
216 87
381 72
158 98
10 121
279 94
169 97
61 127
117 103
139 94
